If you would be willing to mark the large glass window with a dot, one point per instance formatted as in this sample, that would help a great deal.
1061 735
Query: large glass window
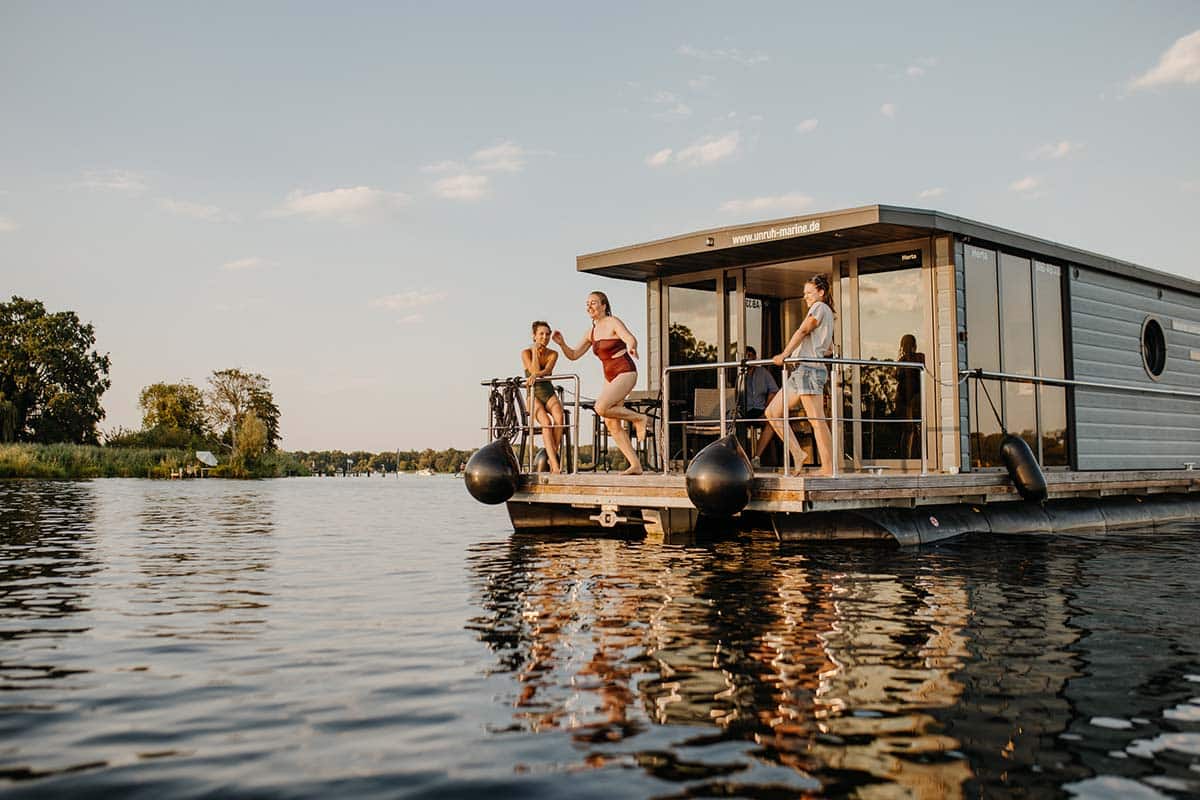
1016 346
1015 324
983 352
1051 362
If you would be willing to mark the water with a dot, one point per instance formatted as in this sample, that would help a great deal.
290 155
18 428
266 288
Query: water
390 637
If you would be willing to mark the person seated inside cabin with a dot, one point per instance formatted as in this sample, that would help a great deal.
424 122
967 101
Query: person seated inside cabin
758 389
546 410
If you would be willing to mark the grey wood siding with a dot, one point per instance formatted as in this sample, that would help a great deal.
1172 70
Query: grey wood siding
1119 430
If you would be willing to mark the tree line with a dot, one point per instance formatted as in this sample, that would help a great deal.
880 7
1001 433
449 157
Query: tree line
336 462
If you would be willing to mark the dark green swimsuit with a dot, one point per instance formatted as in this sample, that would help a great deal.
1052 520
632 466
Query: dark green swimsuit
542 390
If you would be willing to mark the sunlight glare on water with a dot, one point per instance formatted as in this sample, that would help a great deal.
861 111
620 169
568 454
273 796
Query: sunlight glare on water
385 637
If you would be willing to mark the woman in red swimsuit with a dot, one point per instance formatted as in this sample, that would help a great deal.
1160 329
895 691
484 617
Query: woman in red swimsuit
616 348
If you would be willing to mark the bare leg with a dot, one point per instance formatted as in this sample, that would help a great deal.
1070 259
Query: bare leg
814 406
764 439
609 406
774 416
556 432
543 419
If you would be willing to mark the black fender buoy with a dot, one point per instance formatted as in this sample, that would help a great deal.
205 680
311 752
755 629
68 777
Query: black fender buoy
541 461
492 474
1023 468
719 478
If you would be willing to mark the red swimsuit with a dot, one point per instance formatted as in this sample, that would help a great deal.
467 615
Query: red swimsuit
613 365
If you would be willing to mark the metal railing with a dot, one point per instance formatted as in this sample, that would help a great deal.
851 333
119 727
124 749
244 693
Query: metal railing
835 403
1069 383
530 423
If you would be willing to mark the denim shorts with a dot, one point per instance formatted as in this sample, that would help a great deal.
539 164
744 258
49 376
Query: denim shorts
808 379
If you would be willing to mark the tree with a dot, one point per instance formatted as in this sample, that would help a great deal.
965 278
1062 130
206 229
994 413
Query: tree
232 394
178 406
51 378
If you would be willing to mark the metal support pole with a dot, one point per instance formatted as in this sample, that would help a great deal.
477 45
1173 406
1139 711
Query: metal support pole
666 426
721 389
835 406
575 437
924 430
787 426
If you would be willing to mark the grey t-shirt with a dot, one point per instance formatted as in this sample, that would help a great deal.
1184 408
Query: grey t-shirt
819 342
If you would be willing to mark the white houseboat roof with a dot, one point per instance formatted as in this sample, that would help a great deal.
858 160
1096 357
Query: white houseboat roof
792 238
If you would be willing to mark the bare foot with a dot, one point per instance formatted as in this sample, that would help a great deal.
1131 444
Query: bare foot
633 471
639 429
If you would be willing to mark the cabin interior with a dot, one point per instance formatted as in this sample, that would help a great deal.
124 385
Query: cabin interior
898 295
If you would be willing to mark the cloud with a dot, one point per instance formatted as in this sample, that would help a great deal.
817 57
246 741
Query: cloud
7 225
253 262
352 204
462 187
660 158
1180 64
182 208
1026 184
701 83
444 166
404 301
1060 149
888 110
733 54
807 126
677 108
700 153
783 202
920 67
114 180
936 191
503 157
708 151
411 319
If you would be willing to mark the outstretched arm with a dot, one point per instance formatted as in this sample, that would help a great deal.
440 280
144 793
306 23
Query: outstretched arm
572 353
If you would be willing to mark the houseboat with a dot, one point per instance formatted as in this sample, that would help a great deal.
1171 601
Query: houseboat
953 340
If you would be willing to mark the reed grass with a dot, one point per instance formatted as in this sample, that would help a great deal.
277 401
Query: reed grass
76 461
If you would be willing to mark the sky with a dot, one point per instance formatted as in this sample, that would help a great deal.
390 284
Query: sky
368 203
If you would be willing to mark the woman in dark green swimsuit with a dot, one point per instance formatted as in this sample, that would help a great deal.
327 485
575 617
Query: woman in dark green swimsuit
547 411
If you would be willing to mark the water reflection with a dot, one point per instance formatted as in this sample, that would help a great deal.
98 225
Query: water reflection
831 672
203 560
47 553
936 673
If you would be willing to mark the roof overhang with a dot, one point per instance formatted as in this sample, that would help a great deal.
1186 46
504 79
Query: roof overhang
794 238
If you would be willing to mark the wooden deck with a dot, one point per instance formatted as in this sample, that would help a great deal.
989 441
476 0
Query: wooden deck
802 493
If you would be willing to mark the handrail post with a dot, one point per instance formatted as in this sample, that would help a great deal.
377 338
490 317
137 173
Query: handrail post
835 433
787 425
924 430
722 404
666 421
575 436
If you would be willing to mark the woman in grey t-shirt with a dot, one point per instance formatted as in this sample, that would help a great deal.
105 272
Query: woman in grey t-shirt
806 384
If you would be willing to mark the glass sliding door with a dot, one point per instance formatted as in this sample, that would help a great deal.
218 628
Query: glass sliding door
893 325
693 337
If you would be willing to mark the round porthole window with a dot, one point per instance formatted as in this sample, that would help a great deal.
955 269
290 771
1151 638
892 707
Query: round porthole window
1154 347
